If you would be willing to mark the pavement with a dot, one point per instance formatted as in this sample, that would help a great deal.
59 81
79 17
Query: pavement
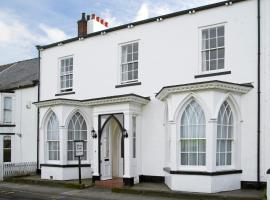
37 192
32 187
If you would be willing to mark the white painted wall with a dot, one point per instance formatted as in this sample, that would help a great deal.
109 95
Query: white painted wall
24 117
169 54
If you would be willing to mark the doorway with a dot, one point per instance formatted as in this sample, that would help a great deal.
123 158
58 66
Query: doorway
111 148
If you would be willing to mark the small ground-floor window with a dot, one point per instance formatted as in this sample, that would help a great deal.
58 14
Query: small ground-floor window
7 149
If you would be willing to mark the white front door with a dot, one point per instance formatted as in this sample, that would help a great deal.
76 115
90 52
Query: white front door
106 157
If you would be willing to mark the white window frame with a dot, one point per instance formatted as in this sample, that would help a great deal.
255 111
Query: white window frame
11 147
67 89
47 142
120 62
178 153
200 67
75 161
12 108
235 145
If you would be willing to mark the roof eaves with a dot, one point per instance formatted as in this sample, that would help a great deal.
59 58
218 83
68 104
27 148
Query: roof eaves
153 19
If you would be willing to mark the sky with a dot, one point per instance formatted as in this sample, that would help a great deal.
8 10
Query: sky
27 23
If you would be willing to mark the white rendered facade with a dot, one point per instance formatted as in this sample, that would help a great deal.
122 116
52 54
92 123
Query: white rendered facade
21 129
169 54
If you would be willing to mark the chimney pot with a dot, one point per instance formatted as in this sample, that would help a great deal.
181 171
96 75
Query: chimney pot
83 16
93 16
97 18
88 17
106 24
102 21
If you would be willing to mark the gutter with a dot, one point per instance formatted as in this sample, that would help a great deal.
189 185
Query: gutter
259 97
38 111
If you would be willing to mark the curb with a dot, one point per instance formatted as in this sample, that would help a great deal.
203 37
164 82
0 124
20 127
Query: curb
183 195
48 183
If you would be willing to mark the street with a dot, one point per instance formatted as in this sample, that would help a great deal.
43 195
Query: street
23 191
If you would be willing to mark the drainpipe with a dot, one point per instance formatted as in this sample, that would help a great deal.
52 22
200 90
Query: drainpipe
38 84
259 97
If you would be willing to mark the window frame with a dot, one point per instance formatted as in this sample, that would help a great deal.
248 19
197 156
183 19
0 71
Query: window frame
75 160
47 141
11 147
67 89
178 153
200 63
120 80
234 145
11 110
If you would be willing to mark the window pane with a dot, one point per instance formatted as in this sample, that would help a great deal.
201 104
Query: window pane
205 34
7 155
220 63
220 31
213 43
184 159
213 54
213 64
221 42
129 47
135 56
135 47
213 32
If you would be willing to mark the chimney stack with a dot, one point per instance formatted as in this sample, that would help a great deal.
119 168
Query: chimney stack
82 26
96 24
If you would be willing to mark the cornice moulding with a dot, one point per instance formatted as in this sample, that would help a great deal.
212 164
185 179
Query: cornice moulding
95 102
211 85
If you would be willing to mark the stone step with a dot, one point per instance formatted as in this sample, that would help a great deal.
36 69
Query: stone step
109 184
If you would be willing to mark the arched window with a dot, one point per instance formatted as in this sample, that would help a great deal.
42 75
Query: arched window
53 138
77 130
193 139
224 135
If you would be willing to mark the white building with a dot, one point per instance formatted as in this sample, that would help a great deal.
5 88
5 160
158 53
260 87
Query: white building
18 115
172 98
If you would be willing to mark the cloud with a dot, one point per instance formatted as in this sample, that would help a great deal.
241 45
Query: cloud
113 21
143 12
18 40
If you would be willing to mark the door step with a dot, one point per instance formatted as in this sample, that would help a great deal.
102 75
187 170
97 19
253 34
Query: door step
109 184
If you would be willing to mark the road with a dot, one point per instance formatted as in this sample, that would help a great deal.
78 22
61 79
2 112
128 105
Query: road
29 192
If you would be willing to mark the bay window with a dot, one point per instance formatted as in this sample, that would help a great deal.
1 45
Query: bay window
192 136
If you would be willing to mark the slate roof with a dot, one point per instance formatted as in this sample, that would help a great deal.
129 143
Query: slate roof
19 74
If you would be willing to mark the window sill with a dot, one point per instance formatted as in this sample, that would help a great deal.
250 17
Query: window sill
7 125
64 166
128 84
202 173
213 74
64 93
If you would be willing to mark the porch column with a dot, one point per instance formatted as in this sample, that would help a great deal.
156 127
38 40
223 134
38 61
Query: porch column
128 179
95 159
63 145
211 135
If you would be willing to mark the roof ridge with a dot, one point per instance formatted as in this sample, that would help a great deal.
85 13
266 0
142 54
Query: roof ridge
12 63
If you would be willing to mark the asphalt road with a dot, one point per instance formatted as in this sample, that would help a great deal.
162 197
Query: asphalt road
22 192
